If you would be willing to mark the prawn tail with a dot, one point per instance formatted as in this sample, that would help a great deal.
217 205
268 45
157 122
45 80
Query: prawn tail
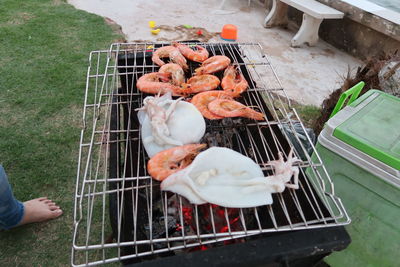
199 71
184 66
200 47
230 71
184 90
198 148
157 60
165 77
255 115
232 92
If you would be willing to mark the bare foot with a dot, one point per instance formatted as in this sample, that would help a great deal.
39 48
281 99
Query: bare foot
39 210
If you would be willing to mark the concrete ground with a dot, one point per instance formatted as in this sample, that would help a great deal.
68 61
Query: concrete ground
308 74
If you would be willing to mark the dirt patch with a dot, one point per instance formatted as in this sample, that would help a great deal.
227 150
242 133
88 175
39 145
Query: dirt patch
11 114
117 29
367 73
246 9
181 33
70 115
20 18
278 51
57 2
326 52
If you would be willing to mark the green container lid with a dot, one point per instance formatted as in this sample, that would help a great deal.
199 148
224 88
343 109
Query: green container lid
374 127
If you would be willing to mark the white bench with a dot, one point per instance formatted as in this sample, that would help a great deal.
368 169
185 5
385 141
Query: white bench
314 13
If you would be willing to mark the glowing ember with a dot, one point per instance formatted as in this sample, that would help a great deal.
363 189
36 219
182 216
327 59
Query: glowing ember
223 218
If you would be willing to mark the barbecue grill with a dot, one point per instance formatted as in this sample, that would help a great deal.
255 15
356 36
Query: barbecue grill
120 214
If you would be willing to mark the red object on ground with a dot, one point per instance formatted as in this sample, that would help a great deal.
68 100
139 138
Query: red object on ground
229 32
199 32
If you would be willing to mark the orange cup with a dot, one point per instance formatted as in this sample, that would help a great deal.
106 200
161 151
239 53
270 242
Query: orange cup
229 32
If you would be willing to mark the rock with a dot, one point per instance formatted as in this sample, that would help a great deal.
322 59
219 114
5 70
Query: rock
389 78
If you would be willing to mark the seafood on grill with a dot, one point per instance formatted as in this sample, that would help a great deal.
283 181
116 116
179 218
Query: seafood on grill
199 55
167 123
200 83
233 82
283 173
213 64
227 178
201 101
167 162
231 108
156 83
175 72
172 53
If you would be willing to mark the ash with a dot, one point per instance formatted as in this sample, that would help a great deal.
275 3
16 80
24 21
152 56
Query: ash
222 136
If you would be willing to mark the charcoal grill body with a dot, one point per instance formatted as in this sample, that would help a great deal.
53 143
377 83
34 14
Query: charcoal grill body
298 248
295 249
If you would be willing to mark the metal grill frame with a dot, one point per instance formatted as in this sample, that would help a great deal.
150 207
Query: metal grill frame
90 246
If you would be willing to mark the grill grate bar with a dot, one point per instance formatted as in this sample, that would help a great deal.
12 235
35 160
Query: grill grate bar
238 234
112 171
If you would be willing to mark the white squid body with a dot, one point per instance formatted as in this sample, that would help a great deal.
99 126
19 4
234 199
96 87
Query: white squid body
169 127
221 176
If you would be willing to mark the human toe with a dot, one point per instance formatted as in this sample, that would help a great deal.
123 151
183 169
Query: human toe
55 207
48 201
51 204
56 213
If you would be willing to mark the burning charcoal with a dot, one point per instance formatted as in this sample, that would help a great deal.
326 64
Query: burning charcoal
220 219
219 137
250 153
159 229
210 140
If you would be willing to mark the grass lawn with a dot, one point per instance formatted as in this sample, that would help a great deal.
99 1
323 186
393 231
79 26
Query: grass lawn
308 114
43 62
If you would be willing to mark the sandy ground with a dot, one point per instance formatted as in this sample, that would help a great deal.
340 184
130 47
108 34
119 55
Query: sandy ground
308 74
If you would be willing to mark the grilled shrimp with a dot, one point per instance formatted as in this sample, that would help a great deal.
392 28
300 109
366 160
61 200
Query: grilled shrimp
213 64
201 101
199 56
233 82
171 52
169 161
232 108
176 72
155 83
200 83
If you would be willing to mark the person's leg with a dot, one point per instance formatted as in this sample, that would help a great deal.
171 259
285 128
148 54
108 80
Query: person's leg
14 213
11 210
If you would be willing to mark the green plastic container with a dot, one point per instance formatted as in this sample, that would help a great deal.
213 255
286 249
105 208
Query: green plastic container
360 148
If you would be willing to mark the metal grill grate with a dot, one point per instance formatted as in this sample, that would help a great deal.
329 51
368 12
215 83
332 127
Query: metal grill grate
114 190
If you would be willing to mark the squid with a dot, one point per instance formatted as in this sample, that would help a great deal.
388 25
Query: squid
229 179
